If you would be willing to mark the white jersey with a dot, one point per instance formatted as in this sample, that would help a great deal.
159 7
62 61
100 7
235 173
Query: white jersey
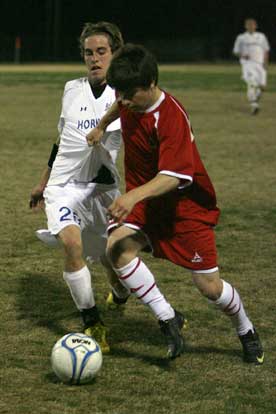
254 45
81 111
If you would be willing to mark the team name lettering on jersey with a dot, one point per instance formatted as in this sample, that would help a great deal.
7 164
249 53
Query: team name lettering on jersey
88 123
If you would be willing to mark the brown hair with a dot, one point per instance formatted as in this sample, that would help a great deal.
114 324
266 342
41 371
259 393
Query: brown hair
111 30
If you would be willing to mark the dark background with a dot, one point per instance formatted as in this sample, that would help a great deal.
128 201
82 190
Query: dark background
176 30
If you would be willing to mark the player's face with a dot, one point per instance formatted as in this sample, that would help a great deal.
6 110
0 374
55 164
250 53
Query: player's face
139 99
250 25
97 57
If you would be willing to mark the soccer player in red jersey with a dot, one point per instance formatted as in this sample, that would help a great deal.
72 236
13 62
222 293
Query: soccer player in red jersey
170 202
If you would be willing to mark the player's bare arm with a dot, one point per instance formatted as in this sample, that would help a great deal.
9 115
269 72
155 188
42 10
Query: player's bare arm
36 198
123 205
95 135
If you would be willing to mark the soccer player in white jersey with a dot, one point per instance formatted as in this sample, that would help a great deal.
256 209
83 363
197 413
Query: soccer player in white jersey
252 48
79 183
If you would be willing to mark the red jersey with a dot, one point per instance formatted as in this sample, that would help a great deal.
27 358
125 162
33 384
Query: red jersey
160 140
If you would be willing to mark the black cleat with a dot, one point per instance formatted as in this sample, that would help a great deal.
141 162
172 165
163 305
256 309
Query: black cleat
181 320
90 316
255 110
252 348
171 329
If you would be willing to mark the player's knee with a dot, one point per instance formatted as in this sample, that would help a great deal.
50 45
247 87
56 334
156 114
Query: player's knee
115 250
210 287
211 291
120 252
72 247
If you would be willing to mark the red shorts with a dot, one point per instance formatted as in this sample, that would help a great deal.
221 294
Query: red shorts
187 243
194 248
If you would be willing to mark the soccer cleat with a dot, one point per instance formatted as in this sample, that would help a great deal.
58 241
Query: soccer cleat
252 348
182 321
46 237
98 332
255 109
94 327
171 330
113 302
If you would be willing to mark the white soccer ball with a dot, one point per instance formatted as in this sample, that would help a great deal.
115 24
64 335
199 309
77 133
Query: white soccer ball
76 358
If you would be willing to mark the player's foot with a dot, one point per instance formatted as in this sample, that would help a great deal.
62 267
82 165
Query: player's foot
113 302
94 327
252 348
46 237
171 330
255 109
98 332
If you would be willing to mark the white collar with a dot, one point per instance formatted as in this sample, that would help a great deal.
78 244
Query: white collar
157 103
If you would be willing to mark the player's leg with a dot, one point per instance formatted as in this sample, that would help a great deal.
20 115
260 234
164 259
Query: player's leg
64 222
78 278
194 247
226 298
249 75
119 294
124 245
95 239
253 96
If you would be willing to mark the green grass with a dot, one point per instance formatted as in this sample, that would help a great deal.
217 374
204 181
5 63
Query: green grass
36 309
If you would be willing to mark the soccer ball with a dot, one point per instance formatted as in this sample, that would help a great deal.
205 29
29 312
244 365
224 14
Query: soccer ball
76 358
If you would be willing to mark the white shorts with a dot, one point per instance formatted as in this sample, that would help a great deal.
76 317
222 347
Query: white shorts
82 205
253 73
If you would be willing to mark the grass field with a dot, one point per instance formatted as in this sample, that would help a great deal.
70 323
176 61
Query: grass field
36 309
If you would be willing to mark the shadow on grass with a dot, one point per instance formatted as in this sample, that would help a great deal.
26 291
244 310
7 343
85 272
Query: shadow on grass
147 333
163 363
168 365
209 350
43 303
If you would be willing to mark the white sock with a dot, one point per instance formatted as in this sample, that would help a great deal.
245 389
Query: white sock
231 304
258 93
80 287
136 277
253 94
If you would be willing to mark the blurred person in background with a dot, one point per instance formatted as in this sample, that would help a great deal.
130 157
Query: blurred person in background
252 48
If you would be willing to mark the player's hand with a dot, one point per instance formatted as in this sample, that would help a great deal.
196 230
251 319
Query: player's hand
121 207
94 136
36 198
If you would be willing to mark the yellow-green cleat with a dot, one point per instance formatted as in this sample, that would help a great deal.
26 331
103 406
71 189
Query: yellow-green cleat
94 327
115 303
98 332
